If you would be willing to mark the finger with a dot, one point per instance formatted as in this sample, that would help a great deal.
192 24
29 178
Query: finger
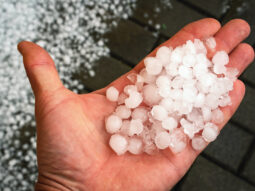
230 35
241 57
39 67
199 29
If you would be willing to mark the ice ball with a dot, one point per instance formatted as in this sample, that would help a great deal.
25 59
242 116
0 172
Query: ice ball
162 140
153 65
151 95
159 112
123 112
198 143
112 94
140 113
169 123
135 146
210 132
118 143
113 124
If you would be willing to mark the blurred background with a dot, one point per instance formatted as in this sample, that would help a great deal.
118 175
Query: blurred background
95 41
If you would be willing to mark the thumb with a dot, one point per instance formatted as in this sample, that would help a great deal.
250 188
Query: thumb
40 68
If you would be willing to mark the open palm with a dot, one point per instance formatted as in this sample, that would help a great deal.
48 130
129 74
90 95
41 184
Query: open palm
72 145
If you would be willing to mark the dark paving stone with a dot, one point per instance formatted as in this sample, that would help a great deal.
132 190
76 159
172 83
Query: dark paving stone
107 69
245 113
249 170
249 73
130 41
213 7
171 20
243 9
230 146
206 176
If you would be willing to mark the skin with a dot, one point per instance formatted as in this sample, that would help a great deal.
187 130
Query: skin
72 145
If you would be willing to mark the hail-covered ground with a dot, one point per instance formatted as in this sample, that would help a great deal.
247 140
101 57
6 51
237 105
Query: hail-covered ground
71 30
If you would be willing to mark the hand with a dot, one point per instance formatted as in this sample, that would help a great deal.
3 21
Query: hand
72 144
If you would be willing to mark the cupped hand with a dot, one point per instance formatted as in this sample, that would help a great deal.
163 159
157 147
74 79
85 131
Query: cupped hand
72 144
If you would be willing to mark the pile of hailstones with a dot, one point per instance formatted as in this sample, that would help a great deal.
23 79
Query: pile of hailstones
175 99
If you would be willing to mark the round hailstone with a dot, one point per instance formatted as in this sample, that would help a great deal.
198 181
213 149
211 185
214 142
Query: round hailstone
140 113
153 65
217 116
135 146
134 100
129 89
210 43
118 143
167 103
178 141
220 58
177 55
177 82
199 69
185 72
164 54
158 112
200 100
198 143
200 47
162 140
123 112
176 94
125 127
212 100
190 47
232 73
169 124
172 69
113 124
112 94
189 95
136 127
151 95
189 60
163 81
207 113
147 77
210 132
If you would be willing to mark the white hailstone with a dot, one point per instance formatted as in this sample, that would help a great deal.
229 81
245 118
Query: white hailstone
147 77
220 59
112 94
198 143
162 140
125 127
164 54
172 69
190 47
210 43
158 112
167 103
194 115
200 100
135 127
134 100
140 113
176 94
135 146
185 72
189 95
199 69
118 143
122 98
200 47
113 124
163 81
164 91
130 88
178 141
189 60
217 116
210 132
177 55
188 128
224 101
177 82
153 66
207 113
151 95
132 77
232 73
169 123
123 112
211 100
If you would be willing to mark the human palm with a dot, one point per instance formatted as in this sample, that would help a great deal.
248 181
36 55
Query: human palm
72 144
